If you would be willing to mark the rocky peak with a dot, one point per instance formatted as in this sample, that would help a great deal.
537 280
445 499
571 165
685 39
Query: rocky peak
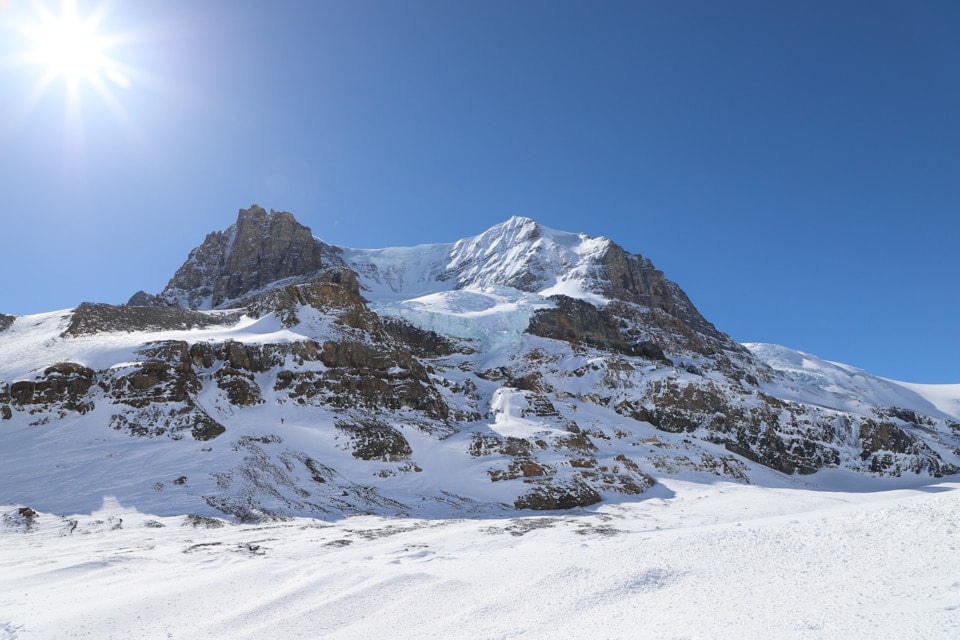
260 248
631 278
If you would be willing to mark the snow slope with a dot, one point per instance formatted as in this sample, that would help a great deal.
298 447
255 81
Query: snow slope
462 290
807 378
34 342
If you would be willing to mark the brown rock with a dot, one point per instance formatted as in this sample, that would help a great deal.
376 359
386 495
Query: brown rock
549 496
259 249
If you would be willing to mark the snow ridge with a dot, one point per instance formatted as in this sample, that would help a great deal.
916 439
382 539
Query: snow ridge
808 379
519 253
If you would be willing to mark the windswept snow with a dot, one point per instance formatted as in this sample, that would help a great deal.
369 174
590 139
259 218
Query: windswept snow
699 561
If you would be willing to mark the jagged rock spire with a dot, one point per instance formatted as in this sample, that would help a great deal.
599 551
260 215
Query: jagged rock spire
259 249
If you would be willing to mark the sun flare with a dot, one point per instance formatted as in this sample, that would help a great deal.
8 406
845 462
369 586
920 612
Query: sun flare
71 47
80 51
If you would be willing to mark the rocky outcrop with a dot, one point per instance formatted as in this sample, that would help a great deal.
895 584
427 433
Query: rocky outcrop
6 321
166 376
334 291
260 249
6 413
62 387
376 440
785 436
360 377
422 343
579 322
891 449
91 318
144 299
556 495
758 429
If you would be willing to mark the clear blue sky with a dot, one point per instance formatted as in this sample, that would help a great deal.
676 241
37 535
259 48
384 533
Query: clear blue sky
794 166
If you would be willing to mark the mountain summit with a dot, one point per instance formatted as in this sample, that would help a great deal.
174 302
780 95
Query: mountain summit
522 368
258 250
261 250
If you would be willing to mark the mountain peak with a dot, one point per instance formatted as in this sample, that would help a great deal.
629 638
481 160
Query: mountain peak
519 253
259 249
516 224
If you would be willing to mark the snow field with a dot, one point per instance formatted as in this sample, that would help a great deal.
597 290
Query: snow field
704 561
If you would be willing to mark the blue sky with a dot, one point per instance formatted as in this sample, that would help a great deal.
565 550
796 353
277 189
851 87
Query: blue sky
794 166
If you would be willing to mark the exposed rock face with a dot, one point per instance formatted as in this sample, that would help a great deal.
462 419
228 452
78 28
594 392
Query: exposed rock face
376 440
558 496
165 376
785 436
64 387
259 249
91 318
144 299
579 322
334 291
6 321
633 278
358 376
640 290
421 342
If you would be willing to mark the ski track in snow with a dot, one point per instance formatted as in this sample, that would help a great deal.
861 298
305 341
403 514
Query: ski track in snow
714 561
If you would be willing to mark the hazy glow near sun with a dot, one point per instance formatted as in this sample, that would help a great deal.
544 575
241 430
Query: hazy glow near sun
73 45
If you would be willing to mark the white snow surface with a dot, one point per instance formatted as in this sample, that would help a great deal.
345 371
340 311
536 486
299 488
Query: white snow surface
695 561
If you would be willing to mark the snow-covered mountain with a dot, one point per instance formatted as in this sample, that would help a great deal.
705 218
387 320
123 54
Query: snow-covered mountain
523 368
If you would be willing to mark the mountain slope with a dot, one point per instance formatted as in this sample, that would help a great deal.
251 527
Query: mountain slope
523 368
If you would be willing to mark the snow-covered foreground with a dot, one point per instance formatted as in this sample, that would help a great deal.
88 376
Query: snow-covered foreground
699 561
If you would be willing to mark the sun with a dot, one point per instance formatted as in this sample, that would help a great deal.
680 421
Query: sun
69 47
